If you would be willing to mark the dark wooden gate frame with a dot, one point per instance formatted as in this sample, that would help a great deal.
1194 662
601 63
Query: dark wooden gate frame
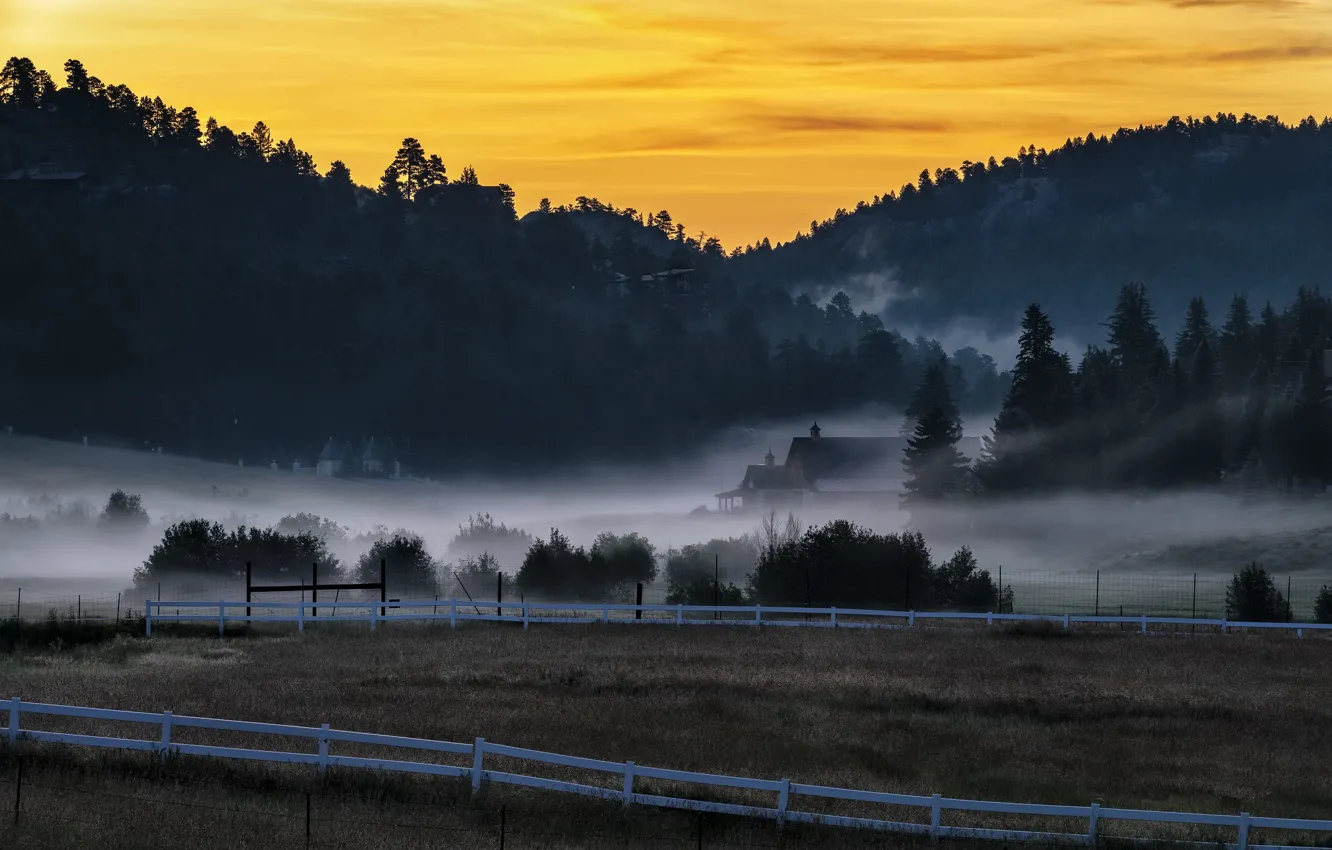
314 586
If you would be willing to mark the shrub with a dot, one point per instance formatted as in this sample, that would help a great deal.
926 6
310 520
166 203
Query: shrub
1323 605
555 569
306 523
843 563
483 536
124 510
622 560
409 570
1253 597
704 590
198 548
477 575
734 556
960 585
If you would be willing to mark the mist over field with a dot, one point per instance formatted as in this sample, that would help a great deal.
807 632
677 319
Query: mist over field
64 486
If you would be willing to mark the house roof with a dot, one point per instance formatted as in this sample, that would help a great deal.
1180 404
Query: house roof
760 477
810 459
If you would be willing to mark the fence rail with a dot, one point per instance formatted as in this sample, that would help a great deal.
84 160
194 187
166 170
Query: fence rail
780 812
376 612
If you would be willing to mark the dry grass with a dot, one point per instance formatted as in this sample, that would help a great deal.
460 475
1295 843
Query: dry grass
1198 724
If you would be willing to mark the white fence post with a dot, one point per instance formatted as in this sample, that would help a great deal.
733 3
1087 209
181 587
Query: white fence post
989 619
1244 831
628 782
165 749
911 619
14 704
605 614
148 617
478 749
527 615
453 613
758 615
936 811
221 619
783 797
1299 632
834 616
679 614
1144 624
1224 620
1065 622
323 748
1093 823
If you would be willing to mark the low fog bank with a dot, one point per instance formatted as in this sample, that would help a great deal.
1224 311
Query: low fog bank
63 487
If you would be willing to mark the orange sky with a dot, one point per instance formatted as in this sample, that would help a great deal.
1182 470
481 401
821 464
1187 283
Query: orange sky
744 118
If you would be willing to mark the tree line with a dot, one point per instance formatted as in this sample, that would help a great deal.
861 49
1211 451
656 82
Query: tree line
1244 404
210 291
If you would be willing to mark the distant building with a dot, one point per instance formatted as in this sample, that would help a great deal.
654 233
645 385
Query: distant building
45 180
821 470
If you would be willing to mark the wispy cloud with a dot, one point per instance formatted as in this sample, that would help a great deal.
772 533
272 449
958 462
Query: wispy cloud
812 122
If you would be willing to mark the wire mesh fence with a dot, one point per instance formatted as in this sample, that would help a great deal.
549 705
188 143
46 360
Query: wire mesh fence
1032 592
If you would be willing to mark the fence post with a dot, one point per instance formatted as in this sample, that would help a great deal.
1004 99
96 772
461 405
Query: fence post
1223 624
911 619
783 797
14 704
605 614
679 614
1244 831
1093 823
300 617
323 748
148 618
165 749
527 616
628 783
248 577
989 619
935 816
1065 622
758 615
478 749
638 605
834 616
221 618
1144 624
453 612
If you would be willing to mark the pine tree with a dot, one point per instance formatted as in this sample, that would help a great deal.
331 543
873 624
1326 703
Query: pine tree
263 140
1021 452
1267 337
935 469
933 391
1238 348
1197 330
1206 444
1311 424
1134 340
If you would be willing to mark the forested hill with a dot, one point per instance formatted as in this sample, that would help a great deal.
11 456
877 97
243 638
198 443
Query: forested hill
1209 207
169 281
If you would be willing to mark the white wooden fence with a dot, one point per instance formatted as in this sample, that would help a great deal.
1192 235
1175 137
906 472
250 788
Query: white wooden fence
526 613
626 774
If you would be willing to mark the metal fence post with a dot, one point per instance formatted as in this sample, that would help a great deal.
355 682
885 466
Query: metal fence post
165 749
935 816
1093 823
478 749
1244 831
323 748
628 782
14 704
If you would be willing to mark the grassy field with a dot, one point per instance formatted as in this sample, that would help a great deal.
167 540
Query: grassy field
1195 724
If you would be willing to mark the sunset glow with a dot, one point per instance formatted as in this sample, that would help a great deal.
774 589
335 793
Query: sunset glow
745 119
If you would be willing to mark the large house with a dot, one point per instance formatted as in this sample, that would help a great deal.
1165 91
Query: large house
821 470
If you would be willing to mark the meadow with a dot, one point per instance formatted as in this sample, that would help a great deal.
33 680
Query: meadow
1167 722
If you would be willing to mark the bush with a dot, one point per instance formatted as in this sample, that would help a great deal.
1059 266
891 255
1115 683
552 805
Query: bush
557 570
704 590
734 556
477 575
306 523
483 536
1323 605
1253 597
960 585
845 564
124 510
198 548
409 571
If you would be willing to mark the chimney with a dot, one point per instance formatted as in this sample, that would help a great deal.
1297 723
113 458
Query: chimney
814 432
